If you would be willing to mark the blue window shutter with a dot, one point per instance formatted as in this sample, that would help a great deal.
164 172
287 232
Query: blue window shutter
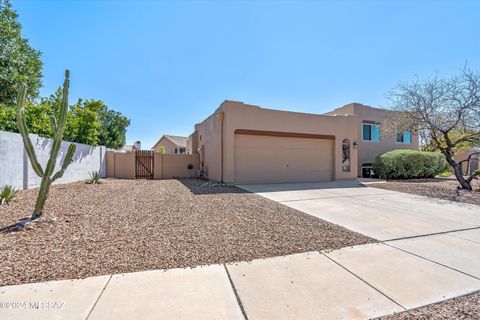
407 137
375 133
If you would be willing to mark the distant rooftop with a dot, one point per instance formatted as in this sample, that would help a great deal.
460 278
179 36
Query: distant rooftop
179 141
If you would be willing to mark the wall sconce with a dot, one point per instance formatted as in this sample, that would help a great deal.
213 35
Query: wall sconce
355 145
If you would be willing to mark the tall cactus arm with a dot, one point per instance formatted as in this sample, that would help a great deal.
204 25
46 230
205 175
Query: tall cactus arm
62 120
22 127
66 161
53 123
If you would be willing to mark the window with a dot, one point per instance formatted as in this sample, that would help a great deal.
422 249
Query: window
371 132
180 150
367 171
404 137
346 155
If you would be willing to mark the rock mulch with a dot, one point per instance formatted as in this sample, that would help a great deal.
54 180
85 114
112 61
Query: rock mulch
464 308
132 225
443 188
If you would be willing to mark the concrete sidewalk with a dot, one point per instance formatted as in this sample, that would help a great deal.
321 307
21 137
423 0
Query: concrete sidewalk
359 282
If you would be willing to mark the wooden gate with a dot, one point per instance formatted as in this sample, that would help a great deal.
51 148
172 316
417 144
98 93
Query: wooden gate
144 164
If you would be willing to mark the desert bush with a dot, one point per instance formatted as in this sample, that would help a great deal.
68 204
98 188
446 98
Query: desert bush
7 193
94 177
408 164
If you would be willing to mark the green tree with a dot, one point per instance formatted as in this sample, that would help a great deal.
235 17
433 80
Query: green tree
19 62
113 128
162 150
82 119
86 126
452 135
37 117
8 118
52 105
88 121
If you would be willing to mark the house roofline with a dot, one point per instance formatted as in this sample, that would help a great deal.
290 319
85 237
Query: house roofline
166 136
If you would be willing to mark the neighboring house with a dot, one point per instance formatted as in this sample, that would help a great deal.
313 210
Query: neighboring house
241 143
471 166
172 144
137 145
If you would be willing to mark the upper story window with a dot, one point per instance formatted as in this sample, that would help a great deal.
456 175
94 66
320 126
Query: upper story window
371 132
404 137
180 150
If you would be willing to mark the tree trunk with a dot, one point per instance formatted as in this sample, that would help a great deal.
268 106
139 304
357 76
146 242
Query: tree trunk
457 170
41 198
461 179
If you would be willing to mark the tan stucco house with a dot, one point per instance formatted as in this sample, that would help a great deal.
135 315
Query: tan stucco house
372 140
172 144
241 143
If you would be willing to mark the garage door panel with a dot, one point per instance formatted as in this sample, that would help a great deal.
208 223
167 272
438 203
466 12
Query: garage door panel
266 159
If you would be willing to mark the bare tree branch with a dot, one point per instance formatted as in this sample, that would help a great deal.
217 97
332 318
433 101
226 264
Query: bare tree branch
444 111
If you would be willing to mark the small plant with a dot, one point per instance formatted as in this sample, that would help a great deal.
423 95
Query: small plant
94 178
445 174
7 193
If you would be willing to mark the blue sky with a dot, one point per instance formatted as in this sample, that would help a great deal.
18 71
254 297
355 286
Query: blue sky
168 65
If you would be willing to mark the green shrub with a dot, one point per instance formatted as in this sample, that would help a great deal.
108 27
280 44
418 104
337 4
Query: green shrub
7 193
408 164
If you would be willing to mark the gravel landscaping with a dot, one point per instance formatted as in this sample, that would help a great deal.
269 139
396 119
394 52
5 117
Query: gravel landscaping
465 308
443 188
131 225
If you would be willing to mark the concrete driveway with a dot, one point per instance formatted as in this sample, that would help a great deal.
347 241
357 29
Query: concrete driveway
429 252
380 214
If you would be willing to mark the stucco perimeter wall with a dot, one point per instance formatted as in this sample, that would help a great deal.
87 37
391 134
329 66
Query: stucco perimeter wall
121 165
177 165
237 115
16 170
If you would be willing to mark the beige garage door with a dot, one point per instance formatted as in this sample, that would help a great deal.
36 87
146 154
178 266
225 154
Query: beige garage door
270 159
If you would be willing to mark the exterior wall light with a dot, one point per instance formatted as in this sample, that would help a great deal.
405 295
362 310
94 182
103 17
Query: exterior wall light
355 145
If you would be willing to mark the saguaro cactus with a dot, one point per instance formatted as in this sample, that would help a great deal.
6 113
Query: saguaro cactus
58 127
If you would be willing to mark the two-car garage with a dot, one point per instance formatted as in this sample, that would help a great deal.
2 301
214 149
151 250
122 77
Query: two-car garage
247 144
275 157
